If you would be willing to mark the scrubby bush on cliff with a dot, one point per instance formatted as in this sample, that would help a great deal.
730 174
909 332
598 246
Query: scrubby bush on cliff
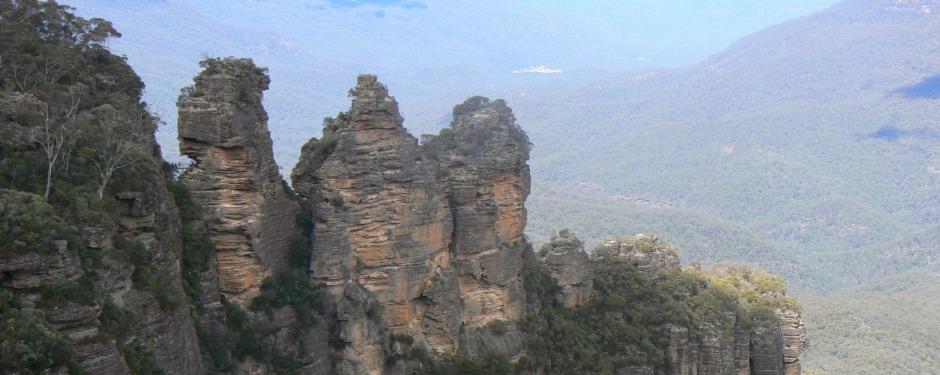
29 344
627 321
28 224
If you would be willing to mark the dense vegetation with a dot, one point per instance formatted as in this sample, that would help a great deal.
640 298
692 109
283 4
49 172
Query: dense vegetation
886 326
73 133
628 321
29 344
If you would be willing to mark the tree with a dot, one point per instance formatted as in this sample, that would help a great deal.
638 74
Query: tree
117 140
56 131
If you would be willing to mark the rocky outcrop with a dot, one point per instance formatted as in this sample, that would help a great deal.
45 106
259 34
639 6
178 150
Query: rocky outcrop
223 129
570 266
795 340
731 343
648 252
73 291
381 223
434 232
767 351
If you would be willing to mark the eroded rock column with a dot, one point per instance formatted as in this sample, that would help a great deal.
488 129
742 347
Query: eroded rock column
223 129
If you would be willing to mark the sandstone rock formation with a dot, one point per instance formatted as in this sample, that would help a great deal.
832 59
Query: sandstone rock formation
795 340
646 251
420 246
571 267
249 218
433 232
223 128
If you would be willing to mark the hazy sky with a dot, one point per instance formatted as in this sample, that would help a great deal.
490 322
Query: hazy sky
597 34
432 54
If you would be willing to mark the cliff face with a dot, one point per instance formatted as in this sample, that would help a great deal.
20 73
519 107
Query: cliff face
434 233
487 180
113 288
151 217
223 128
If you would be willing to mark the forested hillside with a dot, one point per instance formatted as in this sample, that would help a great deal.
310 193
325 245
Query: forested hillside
816 136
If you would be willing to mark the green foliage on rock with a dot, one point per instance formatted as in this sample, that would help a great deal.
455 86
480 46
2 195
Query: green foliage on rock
486 364
627 321
145 275
291 288
141 359
197 248
74 135
27 224
28 343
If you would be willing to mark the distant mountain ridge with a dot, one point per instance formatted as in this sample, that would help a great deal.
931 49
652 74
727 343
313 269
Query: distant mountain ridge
775 133
808 148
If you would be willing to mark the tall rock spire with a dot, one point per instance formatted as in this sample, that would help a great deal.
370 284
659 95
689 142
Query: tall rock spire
223 129
433 232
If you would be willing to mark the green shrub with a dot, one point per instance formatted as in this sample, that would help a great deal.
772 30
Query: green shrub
497 327
115 321
27 224
291 288
141 359
28 343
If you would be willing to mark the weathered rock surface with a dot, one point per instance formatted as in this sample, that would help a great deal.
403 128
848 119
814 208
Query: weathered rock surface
34 269
152 218
648 252
795 340
434 232
223 128
248 215
571 267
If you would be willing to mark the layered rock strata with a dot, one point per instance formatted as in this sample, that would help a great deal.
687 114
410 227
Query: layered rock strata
248 217
223 129
433 231
795 340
